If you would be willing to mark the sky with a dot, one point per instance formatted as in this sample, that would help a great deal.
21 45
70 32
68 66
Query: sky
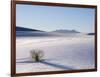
51 18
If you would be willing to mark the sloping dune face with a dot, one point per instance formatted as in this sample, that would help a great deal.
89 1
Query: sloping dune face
60 53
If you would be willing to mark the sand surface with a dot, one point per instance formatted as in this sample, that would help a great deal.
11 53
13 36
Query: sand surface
60 53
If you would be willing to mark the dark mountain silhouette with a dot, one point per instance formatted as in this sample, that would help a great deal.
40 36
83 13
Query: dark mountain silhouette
66 31
25 29
21 31
91 34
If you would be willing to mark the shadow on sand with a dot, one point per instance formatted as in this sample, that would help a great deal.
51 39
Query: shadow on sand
46 63
26 62
23 58
57 65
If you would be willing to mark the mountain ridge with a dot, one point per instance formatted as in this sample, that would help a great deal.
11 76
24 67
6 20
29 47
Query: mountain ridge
66 31
26 29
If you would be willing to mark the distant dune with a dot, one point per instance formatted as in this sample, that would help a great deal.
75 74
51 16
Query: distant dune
33 33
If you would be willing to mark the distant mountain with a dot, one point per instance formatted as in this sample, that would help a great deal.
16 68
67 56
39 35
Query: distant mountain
25 32
66 31
25 29
91 34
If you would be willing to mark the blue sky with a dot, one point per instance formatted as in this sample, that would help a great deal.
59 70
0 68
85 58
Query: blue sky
48 18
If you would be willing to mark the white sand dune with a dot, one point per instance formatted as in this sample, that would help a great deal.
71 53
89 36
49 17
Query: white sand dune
61 53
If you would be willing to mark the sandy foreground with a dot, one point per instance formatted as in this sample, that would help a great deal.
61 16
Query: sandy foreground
60 53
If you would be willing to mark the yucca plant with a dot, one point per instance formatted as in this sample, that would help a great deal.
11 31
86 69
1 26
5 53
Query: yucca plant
37 55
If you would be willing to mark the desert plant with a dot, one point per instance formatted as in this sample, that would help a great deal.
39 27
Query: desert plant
37 55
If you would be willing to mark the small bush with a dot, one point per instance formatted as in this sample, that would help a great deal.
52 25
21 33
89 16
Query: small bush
37 55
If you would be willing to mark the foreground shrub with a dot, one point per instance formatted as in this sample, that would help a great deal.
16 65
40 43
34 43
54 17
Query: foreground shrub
37 55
